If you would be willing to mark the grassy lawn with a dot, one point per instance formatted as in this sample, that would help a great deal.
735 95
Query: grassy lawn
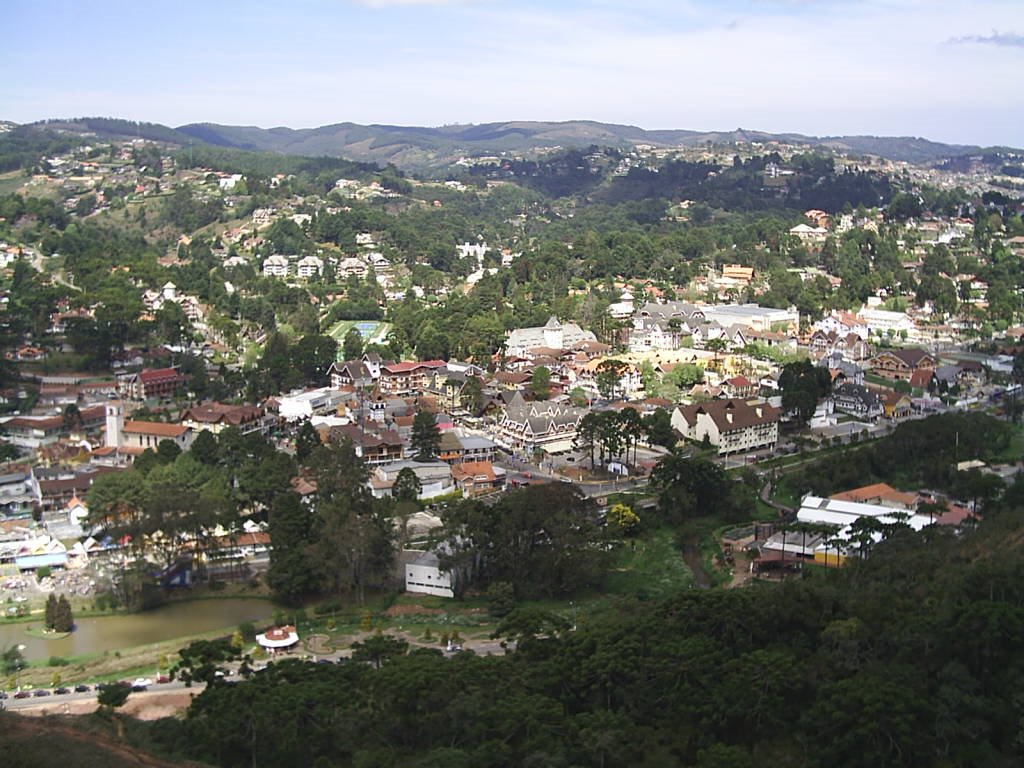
785 495
651 566
11 182
879 380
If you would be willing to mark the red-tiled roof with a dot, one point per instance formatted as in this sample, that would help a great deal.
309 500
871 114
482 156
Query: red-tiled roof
154 428
405 367
877 491
158 374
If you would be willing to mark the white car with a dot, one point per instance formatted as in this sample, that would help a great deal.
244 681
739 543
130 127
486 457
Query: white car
141 682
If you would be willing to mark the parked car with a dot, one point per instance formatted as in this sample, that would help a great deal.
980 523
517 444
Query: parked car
62 691
39 692
142 682
22 695
3 696
82 688
163 679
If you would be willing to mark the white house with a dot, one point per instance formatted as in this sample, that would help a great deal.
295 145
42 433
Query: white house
309 266
276 266
352 266
809 235
423 575
228 182
882 321
300 405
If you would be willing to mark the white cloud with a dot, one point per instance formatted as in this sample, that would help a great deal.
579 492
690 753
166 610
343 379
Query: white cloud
1005 39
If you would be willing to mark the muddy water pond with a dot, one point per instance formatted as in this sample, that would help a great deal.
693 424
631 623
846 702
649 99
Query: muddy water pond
97 634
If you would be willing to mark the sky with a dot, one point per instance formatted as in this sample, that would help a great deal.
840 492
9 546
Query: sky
946 71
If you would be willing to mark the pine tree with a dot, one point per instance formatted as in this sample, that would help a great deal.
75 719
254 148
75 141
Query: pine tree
51 611
63 620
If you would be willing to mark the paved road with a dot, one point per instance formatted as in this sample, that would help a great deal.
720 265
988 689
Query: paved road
49 702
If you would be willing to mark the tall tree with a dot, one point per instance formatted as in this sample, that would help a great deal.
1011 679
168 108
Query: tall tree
540 382
803 384
608 377
407 486
307 440
352 345
294 572
426 438
543 540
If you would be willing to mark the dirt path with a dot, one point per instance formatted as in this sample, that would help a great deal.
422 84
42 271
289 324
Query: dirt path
691 556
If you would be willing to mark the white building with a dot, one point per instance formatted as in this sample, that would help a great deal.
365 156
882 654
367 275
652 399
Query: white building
553 335
276 266
309 266
624 307
423 575
303 405
809 235
229 182
263 216
882 321
435 478
734 426
352 266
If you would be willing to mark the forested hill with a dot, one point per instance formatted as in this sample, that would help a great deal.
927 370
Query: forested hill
413 147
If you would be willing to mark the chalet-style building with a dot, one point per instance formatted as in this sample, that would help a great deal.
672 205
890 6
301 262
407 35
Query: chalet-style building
376 446
739 386
450 382
408 378
216 417
857 400
850 345
966 375
897 405
538 425
350 373
733 426
900 364
159 383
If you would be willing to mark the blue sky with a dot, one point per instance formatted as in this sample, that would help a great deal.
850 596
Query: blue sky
948 71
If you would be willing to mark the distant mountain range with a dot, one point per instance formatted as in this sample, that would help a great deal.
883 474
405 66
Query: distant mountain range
412 147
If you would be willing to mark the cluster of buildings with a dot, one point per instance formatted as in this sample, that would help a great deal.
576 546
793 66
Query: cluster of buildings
829 530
